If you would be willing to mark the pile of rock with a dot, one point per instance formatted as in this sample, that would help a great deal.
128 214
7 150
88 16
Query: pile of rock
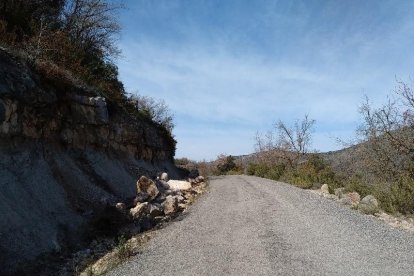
156 201
368 205
160 200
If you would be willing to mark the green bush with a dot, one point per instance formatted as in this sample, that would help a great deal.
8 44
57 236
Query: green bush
355 184
304 175
273 172
226 165
402 195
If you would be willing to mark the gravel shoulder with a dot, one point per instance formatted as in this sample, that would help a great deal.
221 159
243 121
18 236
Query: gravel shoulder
251 226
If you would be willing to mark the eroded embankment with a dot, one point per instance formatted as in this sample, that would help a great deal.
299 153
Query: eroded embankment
66 155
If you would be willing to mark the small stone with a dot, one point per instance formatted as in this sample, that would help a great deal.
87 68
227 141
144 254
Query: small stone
155 211
199 179
139 211
350 199
355 197
164 177
180 199
325 189
170 205
162 186
369 205
140 198
339 192
120 206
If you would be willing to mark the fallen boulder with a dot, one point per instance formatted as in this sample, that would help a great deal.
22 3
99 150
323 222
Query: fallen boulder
170 205
352 198
139 211
369 205
179 185
155 210
146 185
162 186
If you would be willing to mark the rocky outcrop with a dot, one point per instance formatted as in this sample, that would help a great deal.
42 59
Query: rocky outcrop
67 154
34 106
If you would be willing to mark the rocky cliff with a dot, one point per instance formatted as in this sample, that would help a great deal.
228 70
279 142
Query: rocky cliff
66 153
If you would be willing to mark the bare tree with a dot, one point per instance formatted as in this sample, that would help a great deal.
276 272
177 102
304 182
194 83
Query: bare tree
389 133
93 25
157 111
286 143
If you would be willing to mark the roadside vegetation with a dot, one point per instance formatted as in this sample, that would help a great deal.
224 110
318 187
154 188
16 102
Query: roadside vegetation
385 155
75 42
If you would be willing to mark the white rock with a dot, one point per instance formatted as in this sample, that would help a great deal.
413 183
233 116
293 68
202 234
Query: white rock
179 185
325 189
164 176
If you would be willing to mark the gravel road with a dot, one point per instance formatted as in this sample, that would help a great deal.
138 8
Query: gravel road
252 226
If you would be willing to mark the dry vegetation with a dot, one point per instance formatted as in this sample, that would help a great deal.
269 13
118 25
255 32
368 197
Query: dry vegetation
382 163
74 42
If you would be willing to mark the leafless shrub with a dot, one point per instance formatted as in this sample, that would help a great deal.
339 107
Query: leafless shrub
93 25
389 133
285 143
157 111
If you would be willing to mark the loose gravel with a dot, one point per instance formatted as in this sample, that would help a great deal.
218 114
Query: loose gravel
253 226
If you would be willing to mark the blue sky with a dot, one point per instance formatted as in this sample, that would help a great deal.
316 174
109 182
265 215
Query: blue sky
228 69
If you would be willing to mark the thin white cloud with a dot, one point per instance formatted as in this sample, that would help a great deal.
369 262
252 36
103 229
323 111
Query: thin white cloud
223 85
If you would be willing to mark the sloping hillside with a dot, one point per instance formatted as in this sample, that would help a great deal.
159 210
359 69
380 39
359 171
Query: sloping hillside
66 154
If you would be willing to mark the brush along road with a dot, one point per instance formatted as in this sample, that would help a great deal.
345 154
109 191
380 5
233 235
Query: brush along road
252 226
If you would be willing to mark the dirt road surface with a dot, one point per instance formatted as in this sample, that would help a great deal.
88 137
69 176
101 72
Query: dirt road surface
251 226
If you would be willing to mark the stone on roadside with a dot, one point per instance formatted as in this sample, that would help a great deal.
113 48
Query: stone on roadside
325 189
350 199
154 210
139 211
146 185
140 198
164 177
180 199
162 185
199 179
170 205
369 205
179 185
340 192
